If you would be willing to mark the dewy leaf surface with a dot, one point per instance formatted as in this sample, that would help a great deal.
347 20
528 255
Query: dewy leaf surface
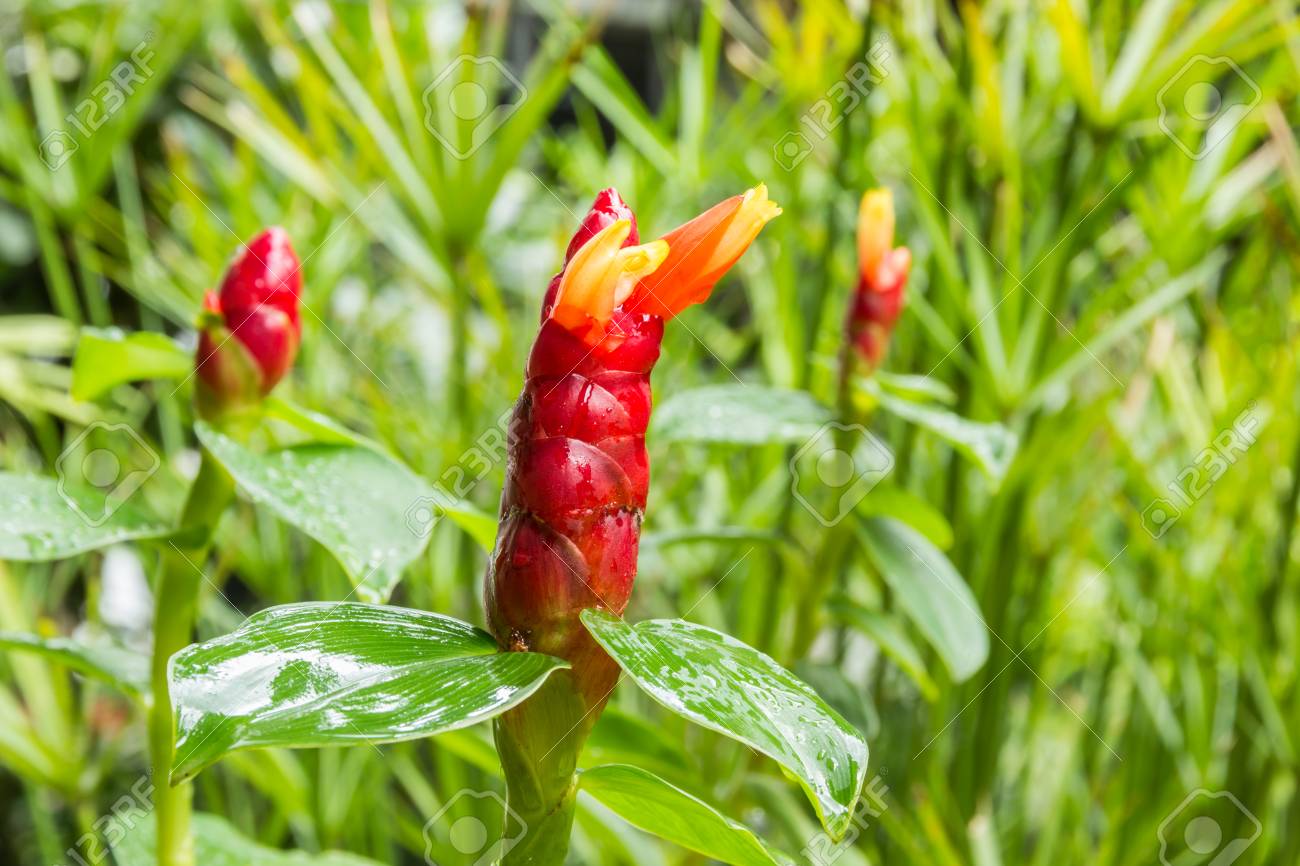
740 414
651 804
357 502
119 667
40 520
328 673
720 683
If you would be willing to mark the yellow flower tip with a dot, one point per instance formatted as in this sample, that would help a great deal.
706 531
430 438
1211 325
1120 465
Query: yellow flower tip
875 229
755 211
600 276
638 262
757 207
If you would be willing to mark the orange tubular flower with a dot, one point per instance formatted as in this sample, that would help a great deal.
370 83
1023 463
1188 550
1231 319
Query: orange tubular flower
701 251
882 279
600 277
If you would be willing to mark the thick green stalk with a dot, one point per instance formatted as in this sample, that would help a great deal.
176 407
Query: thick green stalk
173 618
176 598
539 742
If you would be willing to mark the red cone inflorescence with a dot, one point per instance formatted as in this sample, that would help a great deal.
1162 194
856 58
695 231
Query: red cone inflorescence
249 329
882 279
578 475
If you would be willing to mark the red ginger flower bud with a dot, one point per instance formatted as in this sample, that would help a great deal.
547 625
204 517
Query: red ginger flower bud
250 328
607 209
578 475
882 279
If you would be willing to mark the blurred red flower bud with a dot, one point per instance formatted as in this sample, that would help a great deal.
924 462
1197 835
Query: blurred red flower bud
882 279
249 330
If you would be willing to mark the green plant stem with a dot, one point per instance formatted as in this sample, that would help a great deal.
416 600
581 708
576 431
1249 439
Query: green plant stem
828 570
176 600
538 743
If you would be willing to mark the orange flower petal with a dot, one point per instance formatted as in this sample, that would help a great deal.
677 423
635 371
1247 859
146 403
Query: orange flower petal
701 251
601 275
875 229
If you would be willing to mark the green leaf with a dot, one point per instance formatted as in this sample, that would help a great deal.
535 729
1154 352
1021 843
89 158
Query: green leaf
108 357
43 519
360 504
718 682
991 446
119 667
216 843
890 500
930 592
478 524
324 673
890 637
620 737
599 79
911 386
313 425
741 414
649 803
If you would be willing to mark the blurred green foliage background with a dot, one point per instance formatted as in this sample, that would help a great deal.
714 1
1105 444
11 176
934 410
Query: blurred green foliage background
1103 204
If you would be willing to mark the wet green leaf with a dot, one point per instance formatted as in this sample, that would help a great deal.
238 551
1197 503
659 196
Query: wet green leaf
991 446
718 682
476 523
324 673
42 519
119 667
363 506
648 802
